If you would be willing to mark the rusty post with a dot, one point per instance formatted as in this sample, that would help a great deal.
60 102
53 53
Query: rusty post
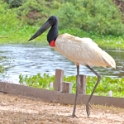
67 87
82 88
59 74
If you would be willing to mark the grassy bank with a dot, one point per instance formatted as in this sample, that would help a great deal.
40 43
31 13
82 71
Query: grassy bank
21 34
89 19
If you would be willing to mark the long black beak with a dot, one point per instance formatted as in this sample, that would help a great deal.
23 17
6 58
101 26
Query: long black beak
43 28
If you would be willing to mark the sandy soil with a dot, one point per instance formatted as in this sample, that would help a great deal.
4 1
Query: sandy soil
20 110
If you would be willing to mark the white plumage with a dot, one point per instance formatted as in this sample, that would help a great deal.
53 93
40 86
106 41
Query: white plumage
83 51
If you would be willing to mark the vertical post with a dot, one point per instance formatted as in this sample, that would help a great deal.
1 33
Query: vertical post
67 87
82 88
59 74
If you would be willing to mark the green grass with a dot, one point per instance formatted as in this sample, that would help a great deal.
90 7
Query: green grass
22 34
116 85
17 35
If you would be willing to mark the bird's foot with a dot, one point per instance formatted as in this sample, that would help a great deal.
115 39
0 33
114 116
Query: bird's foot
88 106
73 116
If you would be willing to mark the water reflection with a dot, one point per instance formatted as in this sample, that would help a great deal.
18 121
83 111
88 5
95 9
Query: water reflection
30 59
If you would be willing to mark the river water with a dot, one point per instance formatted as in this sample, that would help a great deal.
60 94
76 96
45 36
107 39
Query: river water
30 59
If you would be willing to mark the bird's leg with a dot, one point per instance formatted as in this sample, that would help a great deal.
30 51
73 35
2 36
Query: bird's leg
77 88
88 102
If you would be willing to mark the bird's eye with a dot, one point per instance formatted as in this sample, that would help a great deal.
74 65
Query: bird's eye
51 18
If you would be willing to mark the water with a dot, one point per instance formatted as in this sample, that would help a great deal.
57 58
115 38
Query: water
30 59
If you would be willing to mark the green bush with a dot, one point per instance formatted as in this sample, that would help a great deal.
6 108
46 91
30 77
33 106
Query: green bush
94 16
14 3
99 16
35 12
9 19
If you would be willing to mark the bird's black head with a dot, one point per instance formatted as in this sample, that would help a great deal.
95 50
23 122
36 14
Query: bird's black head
53 20
52 34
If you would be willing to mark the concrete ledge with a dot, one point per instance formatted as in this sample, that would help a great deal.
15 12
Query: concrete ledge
57 96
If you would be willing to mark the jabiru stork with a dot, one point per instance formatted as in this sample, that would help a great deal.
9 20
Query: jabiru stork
82 51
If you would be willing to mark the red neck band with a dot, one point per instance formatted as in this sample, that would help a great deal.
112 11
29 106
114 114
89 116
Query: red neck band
52 43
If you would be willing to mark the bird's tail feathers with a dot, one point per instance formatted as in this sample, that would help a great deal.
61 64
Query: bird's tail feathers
109 60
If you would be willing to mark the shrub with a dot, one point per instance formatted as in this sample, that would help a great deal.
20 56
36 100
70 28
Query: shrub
14 3
35 12
94 16
98 16
8 20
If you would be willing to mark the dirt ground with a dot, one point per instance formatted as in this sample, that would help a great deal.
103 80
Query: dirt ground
21 110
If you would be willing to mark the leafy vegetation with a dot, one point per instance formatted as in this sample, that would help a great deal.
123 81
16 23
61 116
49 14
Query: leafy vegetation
101 20
92 16
14 3
98 16
116 85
